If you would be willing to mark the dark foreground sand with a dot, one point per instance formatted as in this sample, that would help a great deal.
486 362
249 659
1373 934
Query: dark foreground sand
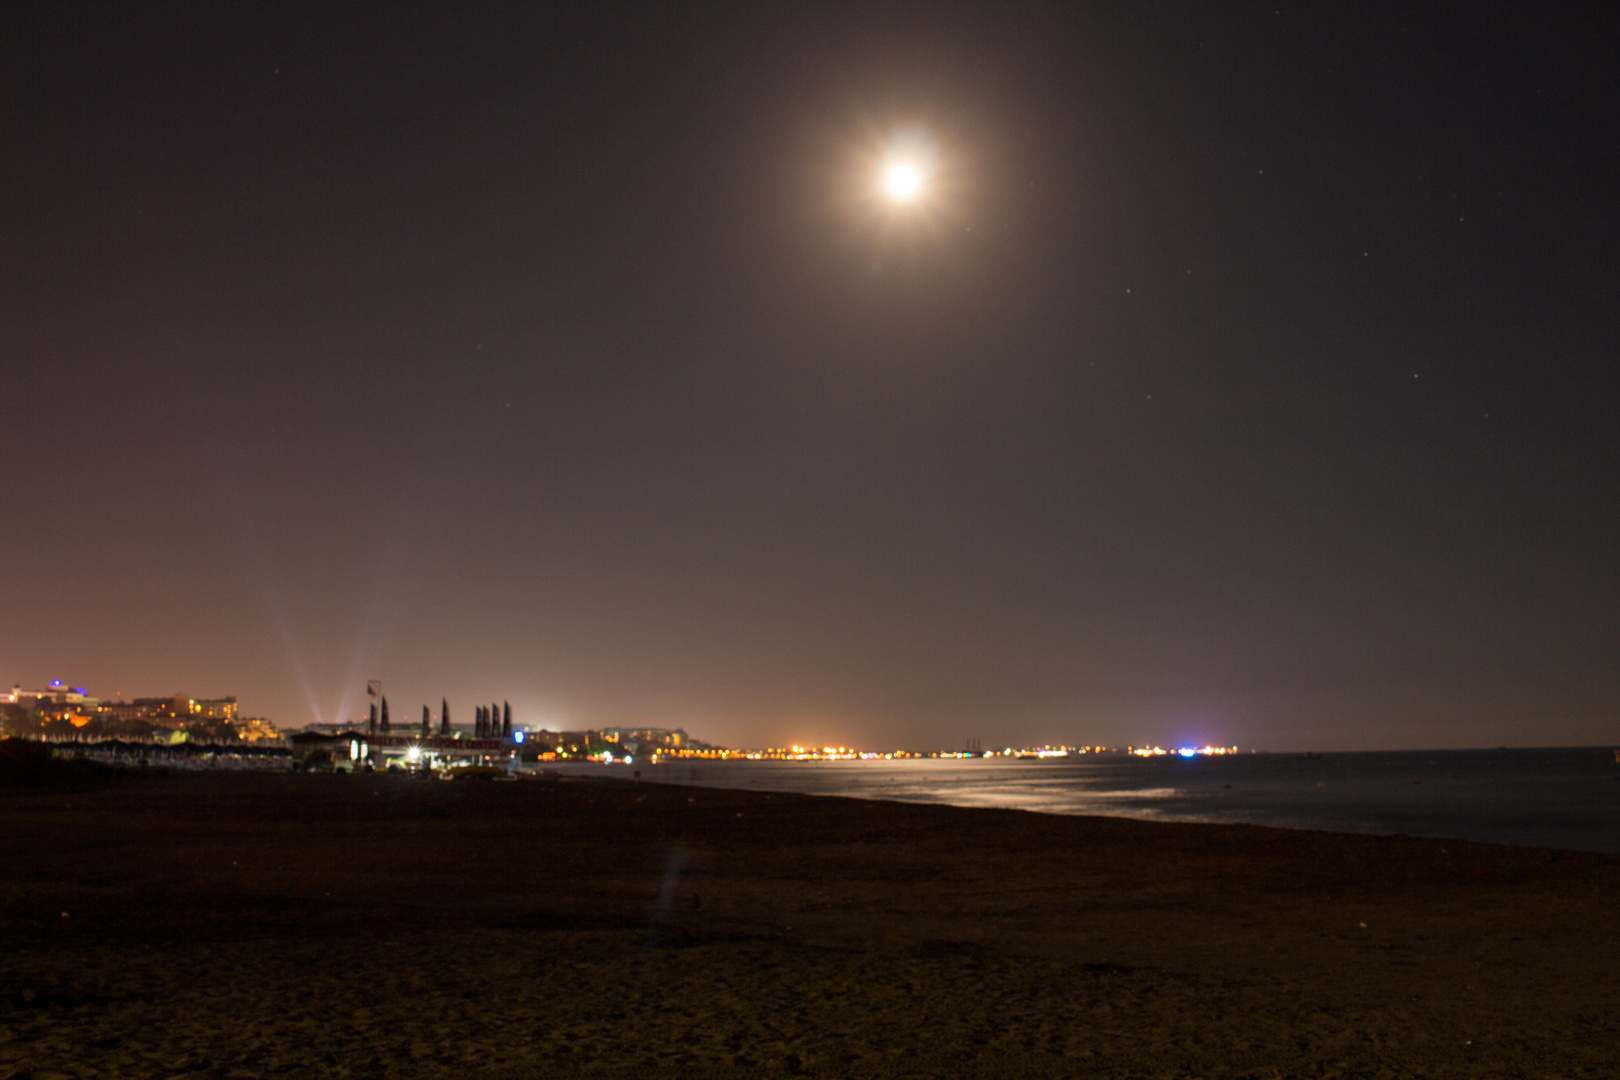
241 925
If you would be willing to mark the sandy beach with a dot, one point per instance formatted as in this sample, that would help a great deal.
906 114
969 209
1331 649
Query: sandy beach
296 925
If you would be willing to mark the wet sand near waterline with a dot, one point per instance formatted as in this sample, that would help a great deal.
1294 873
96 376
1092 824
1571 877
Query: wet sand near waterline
295 925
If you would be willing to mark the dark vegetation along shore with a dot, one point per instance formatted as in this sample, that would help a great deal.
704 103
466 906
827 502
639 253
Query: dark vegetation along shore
280 925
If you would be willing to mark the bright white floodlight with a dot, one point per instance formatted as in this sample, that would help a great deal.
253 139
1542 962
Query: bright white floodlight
902 182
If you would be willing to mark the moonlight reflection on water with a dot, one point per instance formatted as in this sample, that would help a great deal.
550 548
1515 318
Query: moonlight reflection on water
1564 798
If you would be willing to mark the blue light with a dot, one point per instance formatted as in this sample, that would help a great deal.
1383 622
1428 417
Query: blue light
1187 751
517 736
56 682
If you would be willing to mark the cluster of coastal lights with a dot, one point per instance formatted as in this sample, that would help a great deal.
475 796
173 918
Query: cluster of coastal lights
844 753
831 753
899 183
1184 751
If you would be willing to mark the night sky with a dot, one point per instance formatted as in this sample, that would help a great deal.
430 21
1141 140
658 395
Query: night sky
1246 374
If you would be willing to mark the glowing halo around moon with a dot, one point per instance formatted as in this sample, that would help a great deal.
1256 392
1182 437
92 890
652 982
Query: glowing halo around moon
902 182
901 192
904 168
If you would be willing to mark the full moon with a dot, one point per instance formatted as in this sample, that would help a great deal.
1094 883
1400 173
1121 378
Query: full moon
902 182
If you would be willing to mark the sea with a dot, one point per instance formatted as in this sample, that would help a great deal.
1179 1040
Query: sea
1567 798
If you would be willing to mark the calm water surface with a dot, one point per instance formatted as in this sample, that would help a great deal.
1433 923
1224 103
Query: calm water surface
1563 798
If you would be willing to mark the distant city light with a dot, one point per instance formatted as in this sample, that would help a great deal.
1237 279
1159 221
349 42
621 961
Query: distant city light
517 736
1185 751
